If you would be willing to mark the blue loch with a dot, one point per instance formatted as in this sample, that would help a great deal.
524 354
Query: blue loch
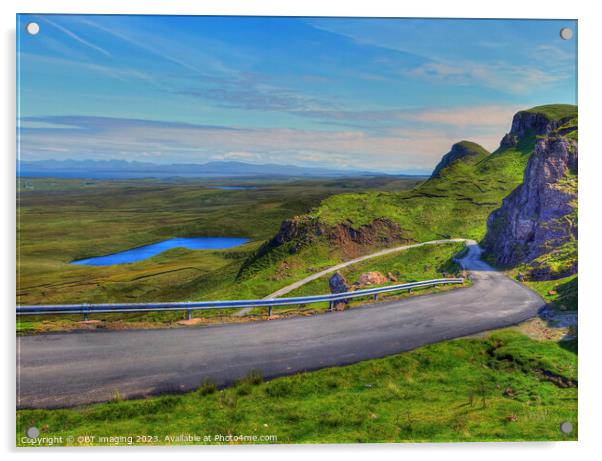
148 251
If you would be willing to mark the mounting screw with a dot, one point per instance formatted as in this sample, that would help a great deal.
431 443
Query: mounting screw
566 427
33 28
566 33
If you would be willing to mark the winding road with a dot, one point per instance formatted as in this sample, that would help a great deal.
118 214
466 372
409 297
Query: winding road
330 270
60 370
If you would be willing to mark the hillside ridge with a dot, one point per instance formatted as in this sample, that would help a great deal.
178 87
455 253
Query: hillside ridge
465 151
537 224
455 202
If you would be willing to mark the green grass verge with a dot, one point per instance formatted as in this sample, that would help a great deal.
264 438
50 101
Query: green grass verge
560 294
505 387
412 265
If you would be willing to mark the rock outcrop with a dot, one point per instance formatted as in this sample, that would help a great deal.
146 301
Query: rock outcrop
372 278
531 123
302 227
464 150
305 230
540 215
300 231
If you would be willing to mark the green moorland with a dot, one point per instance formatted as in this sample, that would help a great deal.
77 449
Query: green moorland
494 387
61 220
503 387
58 219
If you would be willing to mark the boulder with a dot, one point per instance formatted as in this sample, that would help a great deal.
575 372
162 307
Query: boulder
372 278
338 283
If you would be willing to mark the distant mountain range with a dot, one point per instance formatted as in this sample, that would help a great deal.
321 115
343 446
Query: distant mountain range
122 169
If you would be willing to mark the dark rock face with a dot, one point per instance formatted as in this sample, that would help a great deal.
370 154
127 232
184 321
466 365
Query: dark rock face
539 215
301 230
509 140
460 150
525 123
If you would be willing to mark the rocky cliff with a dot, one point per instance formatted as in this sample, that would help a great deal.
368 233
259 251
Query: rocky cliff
303 231
534 122
467 185
537 222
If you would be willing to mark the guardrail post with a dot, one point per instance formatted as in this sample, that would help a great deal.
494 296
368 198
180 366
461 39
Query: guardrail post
409 291
86 312
330 305
375 296
188 314
269 311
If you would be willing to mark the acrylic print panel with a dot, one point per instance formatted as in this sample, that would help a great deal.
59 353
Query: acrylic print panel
295 230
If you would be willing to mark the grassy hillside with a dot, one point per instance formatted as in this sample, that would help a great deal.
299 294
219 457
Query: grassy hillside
415 264
465 152
422 263
61 220
454 203
433 261
555 111
560 294
504 387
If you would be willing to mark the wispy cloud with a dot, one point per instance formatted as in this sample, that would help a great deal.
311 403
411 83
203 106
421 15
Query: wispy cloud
400 149
504 77
249 96
119 72
75 36
386 94
465 117
160 47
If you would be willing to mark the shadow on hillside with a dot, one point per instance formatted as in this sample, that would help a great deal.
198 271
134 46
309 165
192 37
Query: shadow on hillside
563 311
571 345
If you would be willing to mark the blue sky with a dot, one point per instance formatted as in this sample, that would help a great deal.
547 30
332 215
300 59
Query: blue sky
378 94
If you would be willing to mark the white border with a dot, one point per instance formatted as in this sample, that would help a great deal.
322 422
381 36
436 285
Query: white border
591 168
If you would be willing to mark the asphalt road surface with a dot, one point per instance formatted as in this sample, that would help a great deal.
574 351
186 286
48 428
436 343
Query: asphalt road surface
60 370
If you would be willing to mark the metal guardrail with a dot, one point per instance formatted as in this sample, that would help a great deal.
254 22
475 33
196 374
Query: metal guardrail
191 306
